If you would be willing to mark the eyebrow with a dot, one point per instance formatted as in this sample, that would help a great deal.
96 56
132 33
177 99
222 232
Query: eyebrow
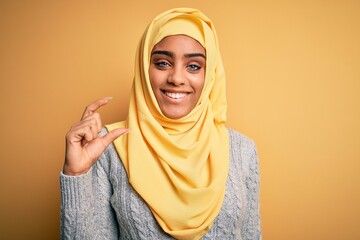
167 53
189 55
170 54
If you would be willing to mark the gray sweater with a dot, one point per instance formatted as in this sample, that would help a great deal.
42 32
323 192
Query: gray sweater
101 204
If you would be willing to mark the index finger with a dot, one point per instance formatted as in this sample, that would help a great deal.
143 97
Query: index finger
95 106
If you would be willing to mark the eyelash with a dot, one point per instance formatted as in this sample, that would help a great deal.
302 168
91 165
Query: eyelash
162 64
190 67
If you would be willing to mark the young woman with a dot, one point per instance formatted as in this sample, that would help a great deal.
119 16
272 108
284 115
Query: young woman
171 169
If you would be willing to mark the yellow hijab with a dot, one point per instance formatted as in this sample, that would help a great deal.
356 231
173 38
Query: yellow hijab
178 166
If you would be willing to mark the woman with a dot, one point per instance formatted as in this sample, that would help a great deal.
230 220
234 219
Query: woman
179 173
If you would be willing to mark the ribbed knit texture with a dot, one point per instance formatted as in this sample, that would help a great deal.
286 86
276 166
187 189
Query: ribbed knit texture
101 204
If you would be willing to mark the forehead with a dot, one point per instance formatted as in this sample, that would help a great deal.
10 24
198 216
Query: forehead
181 43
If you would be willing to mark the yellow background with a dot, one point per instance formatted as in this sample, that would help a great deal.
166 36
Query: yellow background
293 78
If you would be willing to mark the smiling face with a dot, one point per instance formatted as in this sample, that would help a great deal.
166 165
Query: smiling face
177 74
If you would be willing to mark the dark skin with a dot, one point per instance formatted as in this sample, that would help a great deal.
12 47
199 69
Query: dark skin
177 75
83 145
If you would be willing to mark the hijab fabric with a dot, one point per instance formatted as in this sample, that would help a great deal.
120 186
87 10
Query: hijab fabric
178 166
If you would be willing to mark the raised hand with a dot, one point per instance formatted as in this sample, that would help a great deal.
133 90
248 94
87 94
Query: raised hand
83 145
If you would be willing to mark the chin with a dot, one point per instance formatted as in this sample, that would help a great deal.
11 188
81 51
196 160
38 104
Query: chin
174 114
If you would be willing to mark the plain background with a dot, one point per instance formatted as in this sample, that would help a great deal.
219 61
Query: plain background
293 79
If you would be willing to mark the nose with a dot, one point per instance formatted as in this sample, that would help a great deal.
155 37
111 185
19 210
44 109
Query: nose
176 76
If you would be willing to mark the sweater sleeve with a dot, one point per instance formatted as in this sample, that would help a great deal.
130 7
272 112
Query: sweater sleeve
251 227
86 211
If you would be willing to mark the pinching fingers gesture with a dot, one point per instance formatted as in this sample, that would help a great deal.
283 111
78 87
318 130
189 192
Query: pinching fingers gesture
83 145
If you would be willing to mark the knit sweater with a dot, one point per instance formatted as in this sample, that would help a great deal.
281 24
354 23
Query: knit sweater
102 204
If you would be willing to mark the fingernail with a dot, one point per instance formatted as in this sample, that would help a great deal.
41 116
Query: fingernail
108 98
127 131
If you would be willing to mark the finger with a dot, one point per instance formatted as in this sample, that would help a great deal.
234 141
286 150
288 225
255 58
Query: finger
93 119
85 130
88 134
112 135
97 121
95 130
95 148
80 135
94 106
92 133
90 121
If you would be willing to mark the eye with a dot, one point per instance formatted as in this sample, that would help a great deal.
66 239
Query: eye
193 67
162 64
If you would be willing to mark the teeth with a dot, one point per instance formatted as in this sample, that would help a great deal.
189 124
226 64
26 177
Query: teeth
175 95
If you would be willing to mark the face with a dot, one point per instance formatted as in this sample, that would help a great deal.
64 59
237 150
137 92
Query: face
177 74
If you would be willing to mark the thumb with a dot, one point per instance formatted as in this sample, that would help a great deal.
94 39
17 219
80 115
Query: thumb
114 134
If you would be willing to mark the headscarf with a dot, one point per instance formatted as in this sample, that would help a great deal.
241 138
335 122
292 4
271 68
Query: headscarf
178 166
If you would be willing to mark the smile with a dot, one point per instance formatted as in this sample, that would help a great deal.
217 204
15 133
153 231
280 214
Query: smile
175 95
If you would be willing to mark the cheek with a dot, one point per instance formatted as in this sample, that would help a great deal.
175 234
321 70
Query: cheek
153 77
157 76
199 83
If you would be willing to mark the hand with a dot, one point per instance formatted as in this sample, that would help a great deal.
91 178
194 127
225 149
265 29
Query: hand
83 145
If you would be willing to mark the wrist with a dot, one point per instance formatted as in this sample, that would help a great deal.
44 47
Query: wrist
69 172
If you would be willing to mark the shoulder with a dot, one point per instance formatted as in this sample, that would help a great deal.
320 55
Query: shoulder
243 151
240 141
